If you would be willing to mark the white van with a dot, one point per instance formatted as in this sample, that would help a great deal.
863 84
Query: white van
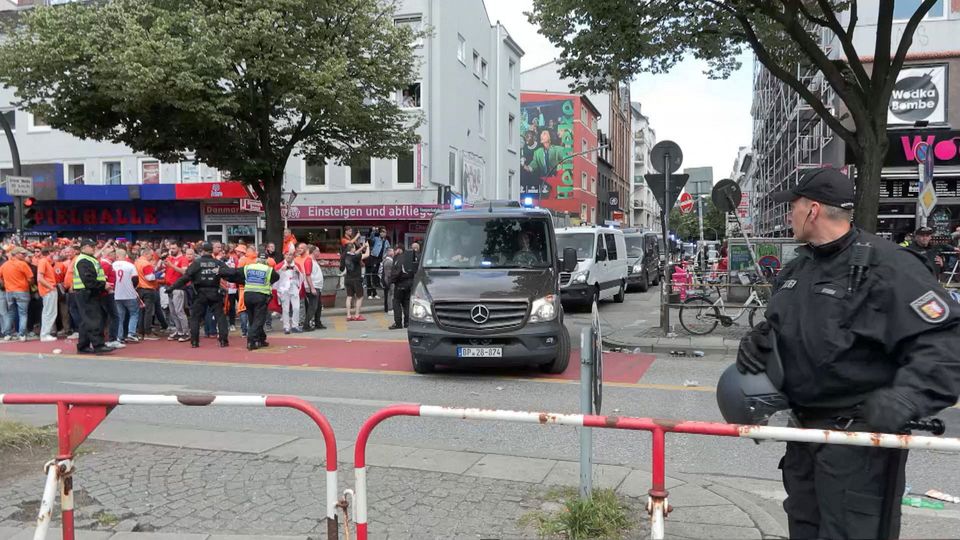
601 265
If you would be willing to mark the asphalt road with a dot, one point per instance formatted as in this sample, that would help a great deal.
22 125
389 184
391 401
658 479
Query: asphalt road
677 388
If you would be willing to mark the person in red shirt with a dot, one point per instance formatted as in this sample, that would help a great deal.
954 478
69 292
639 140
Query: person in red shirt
176 264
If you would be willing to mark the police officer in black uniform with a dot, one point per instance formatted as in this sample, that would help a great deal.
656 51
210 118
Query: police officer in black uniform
206 273
90 285
868 341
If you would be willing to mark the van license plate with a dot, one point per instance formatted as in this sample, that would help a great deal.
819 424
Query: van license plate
479 352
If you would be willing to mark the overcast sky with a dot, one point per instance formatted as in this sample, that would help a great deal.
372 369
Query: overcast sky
710 120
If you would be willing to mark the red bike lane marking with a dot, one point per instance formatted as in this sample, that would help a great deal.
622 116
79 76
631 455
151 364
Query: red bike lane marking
367 355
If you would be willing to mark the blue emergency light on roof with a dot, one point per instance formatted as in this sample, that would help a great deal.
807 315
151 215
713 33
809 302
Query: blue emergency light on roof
457 203
528 202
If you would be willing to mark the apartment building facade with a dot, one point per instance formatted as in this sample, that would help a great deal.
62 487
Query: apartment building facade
646 211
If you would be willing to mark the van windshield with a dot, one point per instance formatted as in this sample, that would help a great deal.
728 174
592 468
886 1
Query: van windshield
582 242
488 243
634 246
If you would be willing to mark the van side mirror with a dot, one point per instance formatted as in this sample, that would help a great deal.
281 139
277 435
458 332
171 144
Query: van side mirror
601 255
569 259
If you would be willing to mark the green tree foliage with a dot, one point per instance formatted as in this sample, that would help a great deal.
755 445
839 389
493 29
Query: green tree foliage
604 40
240 84
688 225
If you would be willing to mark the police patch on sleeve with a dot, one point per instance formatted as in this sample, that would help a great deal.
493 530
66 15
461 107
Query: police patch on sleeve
931 308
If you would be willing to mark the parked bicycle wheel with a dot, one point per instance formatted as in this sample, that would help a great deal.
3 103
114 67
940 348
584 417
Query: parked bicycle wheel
757 315
699 316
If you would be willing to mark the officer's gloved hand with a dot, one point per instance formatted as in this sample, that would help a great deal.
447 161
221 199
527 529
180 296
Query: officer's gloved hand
755 349
888 411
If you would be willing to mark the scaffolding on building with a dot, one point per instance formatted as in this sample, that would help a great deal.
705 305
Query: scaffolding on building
789 137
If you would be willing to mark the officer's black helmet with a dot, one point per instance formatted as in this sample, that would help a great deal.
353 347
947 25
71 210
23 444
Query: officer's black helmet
745 398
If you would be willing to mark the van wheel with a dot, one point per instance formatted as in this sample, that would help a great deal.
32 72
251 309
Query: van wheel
560 363
622 295
422 367
594 298
645 282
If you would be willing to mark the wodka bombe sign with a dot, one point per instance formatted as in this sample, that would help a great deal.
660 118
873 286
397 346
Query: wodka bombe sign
920 94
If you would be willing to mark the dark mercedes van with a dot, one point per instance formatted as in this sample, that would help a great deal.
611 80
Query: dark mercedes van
487 291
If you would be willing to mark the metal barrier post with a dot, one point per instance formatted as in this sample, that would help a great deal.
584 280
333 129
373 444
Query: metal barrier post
586 407
79 414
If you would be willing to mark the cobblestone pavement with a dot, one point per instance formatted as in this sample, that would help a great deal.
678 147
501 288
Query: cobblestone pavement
175 490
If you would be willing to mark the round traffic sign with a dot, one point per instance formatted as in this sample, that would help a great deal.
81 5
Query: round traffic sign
666 152
726 195
920 151
686 203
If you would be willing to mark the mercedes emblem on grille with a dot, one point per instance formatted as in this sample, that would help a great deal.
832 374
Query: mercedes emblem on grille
480 314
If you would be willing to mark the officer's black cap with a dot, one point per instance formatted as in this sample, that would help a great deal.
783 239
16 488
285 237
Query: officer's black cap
827 186
88 242
923 230
207 246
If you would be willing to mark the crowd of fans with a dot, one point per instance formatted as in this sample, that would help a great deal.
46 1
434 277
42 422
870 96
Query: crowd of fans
37 300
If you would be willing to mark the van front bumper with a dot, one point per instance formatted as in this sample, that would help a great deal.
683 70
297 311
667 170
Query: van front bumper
576 292
533 344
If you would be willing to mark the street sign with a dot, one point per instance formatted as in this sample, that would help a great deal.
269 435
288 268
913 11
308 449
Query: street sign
686 203
928 199
655 182
666 152
19 186
251 205
726 195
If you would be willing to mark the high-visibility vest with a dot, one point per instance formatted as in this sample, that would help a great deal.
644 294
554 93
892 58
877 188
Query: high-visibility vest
257 278
77 282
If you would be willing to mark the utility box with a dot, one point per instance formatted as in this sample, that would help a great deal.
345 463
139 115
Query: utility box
772 255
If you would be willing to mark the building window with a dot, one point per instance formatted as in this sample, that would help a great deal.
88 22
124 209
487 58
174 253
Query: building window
583 212
583 180
410 97
510 175
361 173
904 9
189 172
315 173
484 71
75 174
513 75
36 122
406 167
481 119
11 116
476 63
112 173
149 171
583 145
593 215
511 128
452 164
593 185
414 24
583 115
462 49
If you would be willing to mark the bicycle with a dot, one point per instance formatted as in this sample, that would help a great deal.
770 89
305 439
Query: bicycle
700 315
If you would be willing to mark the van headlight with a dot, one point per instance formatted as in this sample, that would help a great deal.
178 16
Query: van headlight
420 305
544 309
579 277
637 268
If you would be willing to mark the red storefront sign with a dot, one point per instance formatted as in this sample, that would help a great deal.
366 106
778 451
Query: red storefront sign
212 190
373 212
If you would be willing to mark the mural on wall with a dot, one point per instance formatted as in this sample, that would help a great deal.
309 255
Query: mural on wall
546 127
472 176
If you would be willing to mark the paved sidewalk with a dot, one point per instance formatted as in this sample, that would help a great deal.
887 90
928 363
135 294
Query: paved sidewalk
177 480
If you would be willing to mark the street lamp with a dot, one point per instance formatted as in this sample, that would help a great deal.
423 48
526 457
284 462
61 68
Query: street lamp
564 160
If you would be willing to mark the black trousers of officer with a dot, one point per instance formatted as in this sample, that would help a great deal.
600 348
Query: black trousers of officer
839 491
91 319
212 297
401 305
256 304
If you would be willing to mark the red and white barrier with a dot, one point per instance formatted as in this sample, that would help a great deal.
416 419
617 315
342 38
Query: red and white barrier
657 504
79 414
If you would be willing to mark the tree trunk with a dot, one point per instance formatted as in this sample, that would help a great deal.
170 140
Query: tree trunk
273 194
869 167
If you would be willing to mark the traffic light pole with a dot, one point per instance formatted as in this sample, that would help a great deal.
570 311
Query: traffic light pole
18 216
15 157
